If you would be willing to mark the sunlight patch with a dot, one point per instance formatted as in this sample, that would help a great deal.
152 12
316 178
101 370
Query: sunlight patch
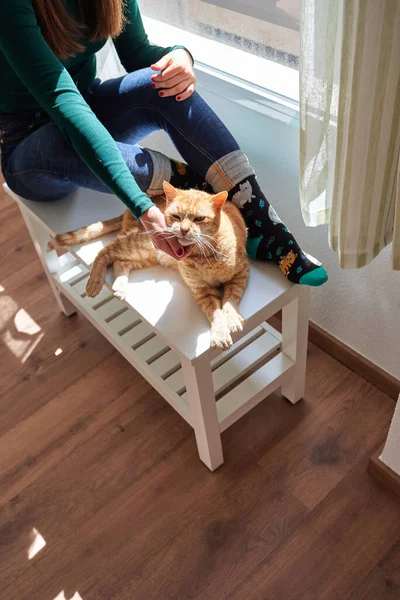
25 324
70 273
1 288
38 543
21 334
8 308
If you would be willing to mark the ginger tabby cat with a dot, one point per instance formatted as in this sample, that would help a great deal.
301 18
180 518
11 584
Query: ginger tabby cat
216 270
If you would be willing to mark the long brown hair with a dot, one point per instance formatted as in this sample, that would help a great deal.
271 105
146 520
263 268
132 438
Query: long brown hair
100 19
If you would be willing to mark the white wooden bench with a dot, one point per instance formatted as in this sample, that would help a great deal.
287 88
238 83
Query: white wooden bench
162 332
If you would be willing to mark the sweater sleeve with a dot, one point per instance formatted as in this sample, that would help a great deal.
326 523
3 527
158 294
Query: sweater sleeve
45 77
133 46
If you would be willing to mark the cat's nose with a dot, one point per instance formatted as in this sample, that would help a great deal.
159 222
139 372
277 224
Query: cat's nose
184 230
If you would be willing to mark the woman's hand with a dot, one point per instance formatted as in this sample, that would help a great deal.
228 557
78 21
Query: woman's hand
176 77
154 223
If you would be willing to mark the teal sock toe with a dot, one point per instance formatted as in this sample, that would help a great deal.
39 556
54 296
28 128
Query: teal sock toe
252 246
314 278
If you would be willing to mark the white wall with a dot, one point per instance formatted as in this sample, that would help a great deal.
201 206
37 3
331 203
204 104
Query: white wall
359 307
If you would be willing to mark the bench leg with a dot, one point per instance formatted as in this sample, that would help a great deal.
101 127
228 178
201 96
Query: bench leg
39 238
200 391
294 342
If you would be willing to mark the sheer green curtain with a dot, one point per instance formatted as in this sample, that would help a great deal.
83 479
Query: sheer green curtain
350 125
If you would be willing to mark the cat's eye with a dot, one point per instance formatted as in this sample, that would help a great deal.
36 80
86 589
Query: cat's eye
177 217
199 219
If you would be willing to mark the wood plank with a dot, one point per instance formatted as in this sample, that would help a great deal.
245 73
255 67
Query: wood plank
383 583
384 474
131 429
17 307
17 251
316 455
31 274
11 215
381 379
50 427
228 539
160 501
34 382
326 557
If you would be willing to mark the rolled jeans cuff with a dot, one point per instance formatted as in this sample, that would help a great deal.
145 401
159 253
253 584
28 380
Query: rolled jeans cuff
161 172
228 171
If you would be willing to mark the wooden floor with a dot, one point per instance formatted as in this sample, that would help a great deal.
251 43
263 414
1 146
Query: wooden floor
96 465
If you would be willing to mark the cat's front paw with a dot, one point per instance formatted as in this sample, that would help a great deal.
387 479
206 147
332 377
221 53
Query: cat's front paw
220 336
234 319
93 287
120 286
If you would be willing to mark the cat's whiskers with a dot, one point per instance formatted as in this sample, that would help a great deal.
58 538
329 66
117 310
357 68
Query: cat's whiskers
205 235
204 245
217 253
201 247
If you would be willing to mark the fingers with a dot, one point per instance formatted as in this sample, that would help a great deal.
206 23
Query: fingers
162 63
171 71
176 89
177 76
188 92
170 83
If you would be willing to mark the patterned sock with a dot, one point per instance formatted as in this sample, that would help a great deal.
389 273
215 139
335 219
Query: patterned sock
183 178
270 239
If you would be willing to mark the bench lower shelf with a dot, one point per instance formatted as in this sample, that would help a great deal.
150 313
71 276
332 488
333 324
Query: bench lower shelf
241 376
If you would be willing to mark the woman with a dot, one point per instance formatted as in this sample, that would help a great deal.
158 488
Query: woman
60 128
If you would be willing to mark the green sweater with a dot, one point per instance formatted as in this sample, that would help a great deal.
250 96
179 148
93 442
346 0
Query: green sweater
33 78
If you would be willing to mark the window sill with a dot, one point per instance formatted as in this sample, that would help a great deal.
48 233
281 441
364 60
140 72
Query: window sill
265 85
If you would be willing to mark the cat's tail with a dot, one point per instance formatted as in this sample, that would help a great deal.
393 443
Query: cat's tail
85 234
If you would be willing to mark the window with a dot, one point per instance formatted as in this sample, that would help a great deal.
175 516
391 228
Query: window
268 29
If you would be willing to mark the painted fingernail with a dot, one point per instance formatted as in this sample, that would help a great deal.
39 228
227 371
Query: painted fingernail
179 252
153 85
161 93
179 97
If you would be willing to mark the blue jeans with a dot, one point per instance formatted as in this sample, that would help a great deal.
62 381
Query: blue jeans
39 164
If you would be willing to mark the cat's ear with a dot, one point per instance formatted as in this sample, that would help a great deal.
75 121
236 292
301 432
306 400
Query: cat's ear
169 191
219 200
